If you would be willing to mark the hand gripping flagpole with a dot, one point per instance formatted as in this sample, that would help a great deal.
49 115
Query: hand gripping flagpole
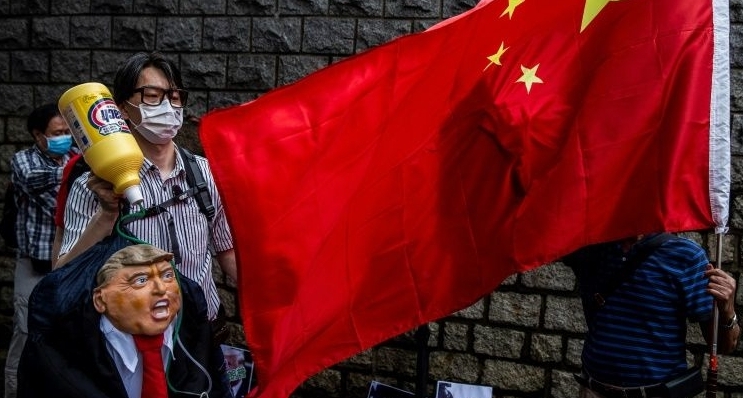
719 147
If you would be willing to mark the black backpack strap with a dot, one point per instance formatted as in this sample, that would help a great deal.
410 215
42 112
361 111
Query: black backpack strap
197 184
643 251
197 188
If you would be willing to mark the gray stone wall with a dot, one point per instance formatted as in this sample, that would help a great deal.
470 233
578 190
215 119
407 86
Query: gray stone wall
524 339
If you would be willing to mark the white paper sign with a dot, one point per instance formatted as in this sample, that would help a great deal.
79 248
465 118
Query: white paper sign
448 389
379 390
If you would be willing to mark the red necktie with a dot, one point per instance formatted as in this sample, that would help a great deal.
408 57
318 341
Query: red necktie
153 373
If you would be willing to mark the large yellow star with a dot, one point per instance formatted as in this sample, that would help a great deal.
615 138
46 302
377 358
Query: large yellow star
529 77
512 4
591 10
495 58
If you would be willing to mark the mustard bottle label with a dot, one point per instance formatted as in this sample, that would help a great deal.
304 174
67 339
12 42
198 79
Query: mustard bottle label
106 116
92 116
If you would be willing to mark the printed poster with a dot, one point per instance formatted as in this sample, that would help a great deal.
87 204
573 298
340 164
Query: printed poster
239 369
447 389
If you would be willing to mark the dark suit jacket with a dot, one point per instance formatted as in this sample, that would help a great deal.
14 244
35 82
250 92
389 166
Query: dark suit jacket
66 357
242 392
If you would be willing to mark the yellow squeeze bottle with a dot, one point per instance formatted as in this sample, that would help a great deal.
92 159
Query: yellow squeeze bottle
104 137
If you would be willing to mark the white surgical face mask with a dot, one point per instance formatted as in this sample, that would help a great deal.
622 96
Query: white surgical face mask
160 123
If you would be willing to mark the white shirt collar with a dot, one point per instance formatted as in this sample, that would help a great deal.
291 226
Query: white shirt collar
123 343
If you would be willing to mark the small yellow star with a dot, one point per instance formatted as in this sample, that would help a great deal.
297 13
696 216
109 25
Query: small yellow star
512 4
529 77
495 58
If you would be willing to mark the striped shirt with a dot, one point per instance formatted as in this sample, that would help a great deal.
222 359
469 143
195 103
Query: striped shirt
196 236
36 178
639 336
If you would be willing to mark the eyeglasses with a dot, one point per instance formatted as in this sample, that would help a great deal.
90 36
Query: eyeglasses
155 95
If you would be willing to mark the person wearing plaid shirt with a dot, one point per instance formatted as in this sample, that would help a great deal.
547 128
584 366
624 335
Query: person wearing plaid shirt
36 175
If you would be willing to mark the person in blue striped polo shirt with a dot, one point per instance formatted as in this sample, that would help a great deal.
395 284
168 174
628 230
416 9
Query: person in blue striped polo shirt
636 338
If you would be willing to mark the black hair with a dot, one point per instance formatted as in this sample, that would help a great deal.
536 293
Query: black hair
128 73
40 117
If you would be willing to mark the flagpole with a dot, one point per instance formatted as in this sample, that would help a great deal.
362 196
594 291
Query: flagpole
421 341
720 163
712 370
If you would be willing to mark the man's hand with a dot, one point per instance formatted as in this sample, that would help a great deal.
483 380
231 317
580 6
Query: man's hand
104 192
722 287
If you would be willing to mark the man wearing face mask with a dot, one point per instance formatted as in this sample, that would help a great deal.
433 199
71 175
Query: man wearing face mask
36 173
148 91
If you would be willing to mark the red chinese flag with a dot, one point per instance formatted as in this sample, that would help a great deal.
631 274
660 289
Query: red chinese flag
404 183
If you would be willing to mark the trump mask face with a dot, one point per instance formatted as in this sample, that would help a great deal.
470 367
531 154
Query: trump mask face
138 291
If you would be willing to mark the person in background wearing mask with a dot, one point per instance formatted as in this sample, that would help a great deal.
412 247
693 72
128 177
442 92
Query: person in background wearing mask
149 93
36 173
